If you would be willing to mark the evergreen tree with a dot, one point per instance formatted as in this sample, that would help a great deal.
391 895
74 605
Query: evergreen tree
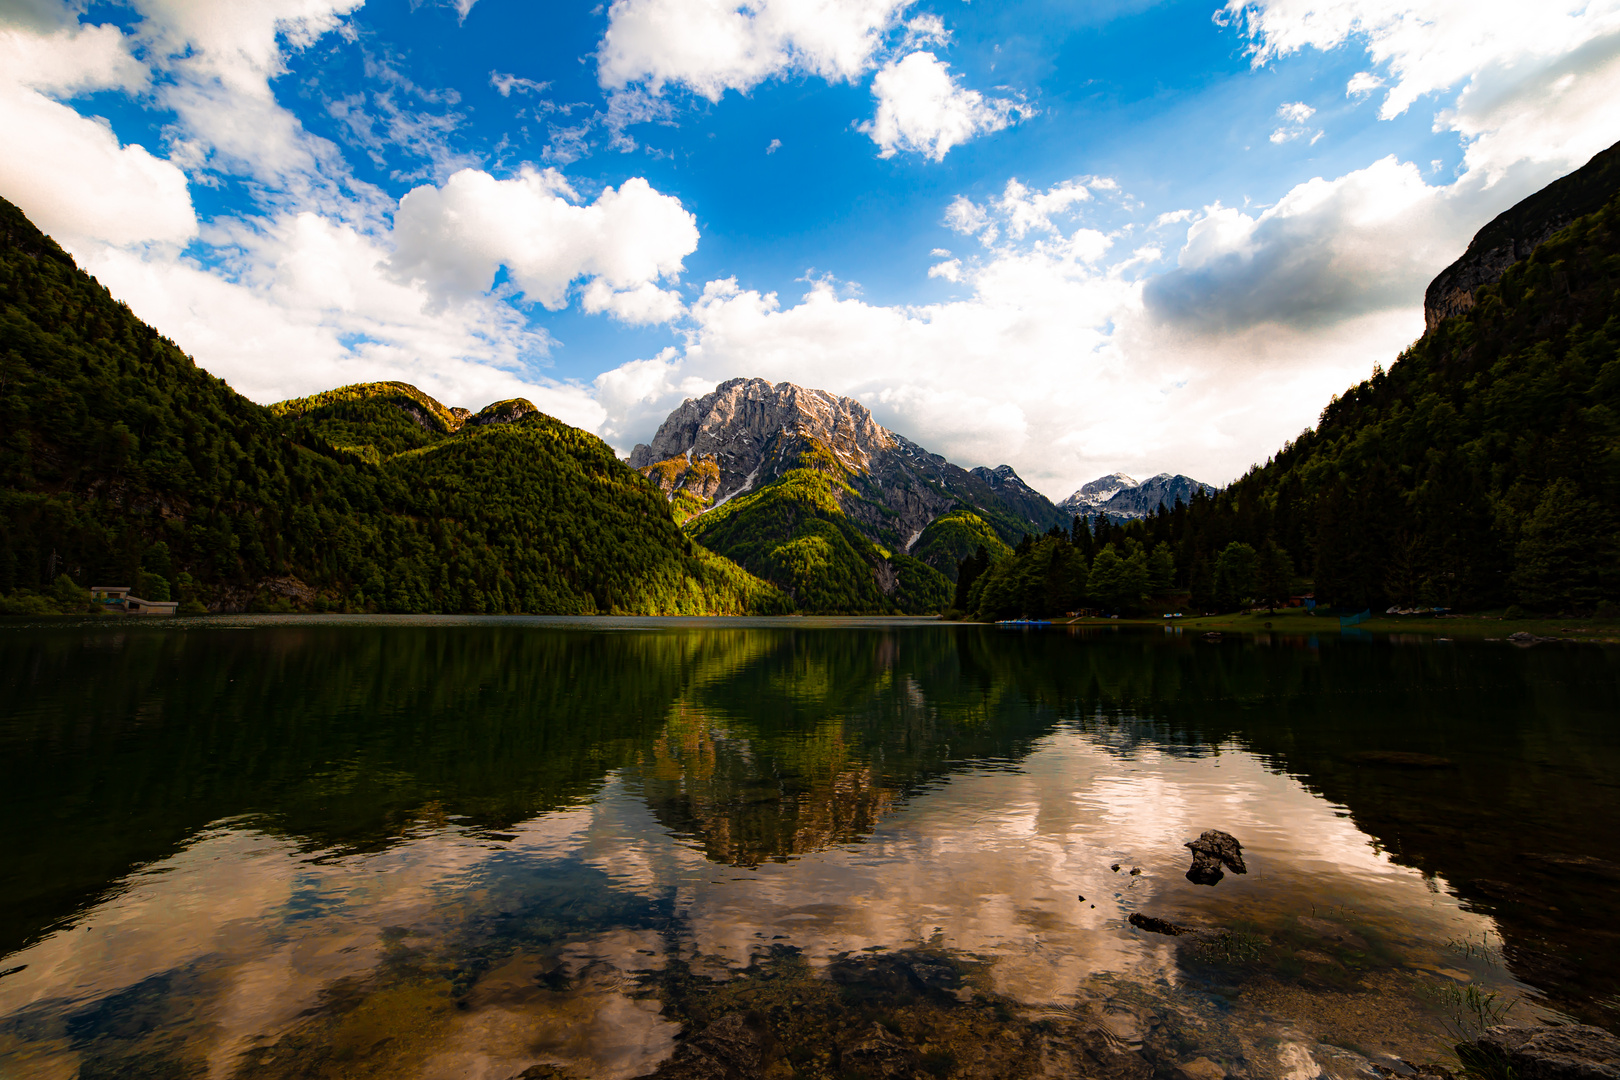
1235 572
1113 581
1273 575
1566 552
1161 567
968 571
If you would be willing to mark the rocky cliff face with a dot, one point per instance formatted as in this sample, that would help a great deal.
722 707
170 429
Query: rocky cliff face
748 432
1515 233
501 412
1120 497
739 425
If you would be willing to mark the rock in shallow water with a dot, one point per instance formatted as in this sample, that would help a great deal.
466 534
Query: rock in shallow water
1567 1052
1158 926
1210 850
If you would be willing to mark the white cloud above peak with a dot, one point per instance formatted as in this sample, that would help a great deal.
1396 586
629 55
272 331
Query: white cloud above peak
711 46
922 108
454 239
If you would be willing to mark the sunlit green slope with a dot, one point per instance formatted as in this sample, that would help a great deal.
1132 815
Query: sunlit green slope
794 533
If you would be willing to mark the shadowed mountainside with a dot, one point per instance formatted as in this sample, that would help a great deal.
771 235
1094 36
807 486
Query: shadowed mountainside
123 463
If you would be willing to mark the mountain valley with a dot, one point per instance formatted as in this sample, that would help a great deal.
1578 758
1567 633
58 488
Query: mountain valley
1483 467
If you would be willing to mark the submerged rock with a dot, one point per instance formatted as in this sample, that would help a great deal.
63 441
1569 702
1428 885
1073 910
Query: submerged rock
880 1053
1199 1069
1210 850
1159 926
1566 1052
731 1048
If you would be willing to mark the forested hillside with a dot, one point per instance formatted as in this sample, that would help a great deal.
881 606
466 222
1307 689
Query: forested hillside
122 463
794 533
1481 469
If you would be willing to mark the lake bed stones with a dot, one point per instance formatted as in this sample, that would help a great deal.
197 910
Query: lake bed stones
1564 1052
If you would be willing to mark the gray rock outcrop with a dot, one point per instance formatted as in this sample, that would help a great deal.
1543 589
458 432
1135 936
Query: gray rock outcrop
1516 232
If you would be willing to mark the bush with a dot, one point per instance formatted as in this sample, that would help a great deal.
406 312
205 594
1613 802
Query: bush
1514 611
149 586
26 604
68 596
1607 609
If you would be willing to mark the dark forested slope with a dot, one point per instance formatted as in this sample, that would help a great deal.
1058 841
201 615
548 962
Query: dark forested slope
121 462
1481 469
1484 466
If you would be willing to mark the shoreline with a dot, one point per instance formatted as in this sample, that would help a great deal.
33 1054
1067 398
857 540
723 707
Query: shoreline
1299 621
1291 621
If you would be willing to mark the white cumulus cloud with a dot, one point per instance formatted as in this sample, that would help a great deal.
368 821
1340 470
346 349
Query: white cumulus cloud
923 109
69 172
711 46
1328 250
453 239
306 303
221 59
1050 364
1534 81
319 289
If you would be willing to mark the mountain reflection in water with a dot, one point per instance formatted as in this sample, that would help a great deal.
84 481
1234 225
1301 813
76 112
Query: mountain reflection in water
475 847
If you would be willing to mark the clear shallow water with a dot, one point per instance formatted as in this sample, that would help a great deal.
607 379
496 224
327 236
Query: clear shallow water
435 847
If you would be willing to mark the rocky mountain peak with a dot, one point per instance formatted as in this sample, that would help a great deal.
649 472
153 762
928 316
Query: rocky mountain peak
1002 476
747 433
1119 496
501 412
738 422
1099 491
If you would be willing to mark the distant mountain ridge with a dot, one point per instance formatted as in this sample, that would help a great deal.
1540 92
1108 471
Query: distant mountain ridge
1122 498
748 433
809 491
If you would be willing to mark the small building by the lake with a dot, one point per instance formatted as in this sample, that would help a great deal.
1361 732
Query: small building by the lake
117 598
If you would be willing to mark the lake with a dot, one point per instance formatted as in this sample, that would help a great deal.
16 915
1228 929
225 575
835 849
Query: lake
438 847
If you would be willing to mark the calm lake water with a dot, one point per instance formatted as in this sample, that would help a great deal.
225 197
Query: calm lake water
490 848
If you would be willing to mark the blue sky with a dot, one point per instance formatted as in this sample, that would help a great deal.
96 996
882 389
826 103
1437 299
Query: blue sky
1071 237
